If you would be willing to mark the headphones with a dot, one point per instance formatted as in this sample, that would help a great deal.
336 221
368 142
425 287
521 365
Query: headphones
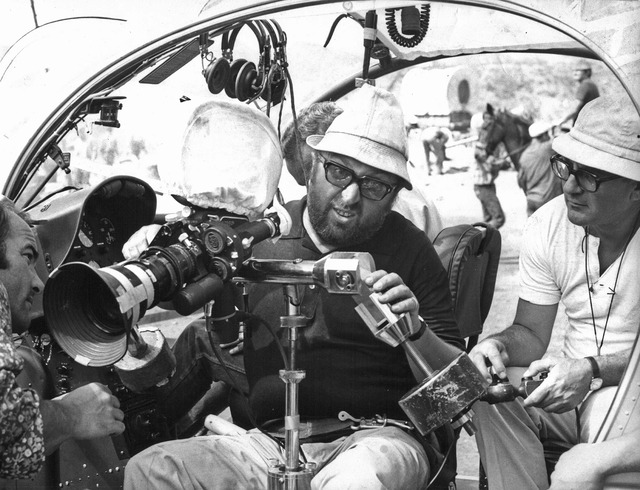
277 73
247 80
218 72
244 80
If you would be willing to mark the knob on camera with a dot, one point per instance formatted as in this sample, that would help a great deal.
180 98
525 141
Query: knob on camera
501 390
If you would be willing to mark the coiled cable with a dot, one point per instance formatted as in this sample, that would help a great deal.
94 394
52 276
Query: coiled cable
400 39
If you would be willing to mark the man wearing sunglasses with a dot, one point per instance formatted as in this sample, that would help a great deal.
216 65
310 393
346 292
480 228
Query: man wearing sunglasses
315 119
581 249
358 167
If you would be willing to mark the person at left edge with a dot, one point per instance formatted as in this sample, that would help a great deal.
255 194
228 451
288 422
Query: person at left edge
31 427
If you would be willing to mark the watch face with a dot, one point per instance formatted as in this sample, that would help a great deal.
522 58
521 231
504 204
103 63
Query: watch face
596 384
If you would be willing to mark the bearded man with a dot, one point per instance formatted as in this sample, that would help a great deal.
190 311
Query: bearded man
359 166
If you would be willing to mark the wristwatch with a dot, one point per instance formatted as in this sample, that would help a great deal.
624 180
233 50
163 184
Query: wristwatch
596 379
420 332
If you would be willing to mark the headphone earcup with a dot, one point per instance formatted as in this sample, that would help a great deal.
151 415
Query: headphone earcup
277 92
217 75
234 68
247 76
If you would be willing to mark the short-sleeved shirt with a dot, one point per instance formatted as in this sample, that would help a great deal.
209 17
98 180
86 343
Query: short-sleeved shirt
552 269
21 433
347 368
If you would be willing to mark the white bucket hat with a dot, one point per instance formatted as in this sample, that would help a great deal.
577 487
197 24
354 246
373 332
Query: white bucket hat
371 130
606 136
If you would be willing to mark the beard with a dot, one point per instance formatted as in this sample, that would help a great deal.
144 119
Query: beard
341 234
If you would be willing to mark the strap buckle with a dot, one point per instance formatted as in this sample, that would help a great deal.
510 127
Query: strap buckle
374 423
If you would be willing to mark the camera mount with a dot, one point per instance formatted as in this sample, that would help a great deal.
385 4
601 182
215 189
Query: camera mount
339 273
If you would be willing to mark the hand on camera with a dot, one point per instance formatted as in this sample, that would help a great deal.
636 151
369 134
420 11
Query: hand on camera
565 386
490 353
394 292
93 412
139 241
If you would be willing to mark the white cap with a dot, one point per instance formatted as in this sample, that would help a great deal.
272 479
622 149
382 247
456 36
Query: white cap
538 128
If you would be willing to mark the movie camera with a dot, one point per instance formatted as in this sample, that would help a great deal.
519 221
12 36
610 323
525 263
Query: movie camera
92 312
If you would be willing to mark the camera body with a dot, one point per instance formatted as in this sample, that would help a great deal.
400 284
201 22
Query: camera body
205 249
187 263
212 242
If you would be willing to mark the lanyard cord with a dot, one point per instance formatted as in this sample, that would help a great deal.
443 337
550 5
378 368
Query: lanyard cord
615 284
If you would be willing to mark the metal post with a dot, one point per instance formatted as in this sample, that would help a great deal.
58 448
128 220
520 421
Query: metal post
292 475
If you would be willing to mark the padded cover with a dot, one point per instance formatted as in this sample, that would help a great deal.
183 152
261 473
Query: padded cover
230 158
470 254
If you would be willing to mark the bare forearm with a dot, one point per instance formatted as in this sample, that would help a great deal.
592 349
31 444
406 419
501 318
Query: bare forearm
57 422
612 367
518 345
573 114
528 338
435 351
522 344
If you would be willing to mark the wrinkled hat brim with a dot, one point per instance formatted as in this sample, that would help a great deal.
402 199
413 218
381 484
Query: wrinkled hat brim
365 151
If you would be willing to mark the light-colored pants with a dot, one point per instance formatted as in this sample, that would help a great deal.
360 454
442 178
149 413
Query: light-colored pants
385 458
510 437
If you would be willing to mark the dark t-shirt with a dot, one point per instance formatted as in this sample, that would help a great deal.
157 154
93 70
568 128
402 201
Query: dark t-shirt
586 92
347 368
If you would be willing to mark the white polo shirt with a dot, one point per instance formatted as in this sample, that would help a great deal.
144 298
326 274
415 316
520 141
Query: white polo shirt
552 269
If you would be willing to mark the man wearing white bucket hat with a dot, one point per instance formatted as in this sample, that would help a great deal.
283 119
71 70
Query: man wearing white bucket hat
315 119
359 165
535 176
582 249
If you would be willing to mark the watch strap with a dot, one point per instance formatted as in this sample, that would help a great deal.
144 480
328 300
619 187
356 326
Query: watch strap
595 369
423 327
596 377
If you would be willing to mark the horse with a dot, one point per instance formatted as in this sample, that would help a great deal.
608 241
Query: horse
508 128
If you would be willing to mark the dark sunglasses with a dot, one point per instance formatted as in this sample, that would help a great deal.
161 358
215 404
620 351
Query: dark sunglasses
343 177
564 167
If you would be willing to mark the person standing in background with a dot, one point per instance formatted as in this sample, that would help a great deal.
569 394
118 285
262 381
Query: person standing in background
434 140
487 168
587 90
535 176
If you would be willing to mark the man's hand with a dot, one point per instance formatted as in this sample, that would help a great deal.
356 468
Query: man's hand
565 386
85 413
93 412
139 241
396 294
492 352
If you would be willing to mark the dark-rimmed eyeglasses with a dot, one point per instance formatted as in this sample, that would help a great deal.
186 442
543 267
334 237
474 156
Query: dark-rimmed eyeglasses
343 177
563 167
